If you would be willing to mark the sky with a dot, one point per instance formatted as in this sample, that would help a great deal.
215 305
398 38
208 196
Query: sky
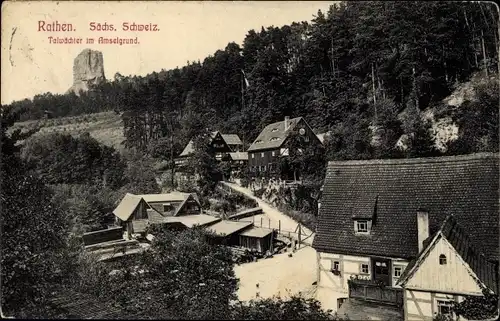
188 31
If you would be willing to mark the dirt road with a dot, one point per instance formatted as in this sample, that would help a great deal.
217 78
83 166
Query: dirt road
272 217
280 275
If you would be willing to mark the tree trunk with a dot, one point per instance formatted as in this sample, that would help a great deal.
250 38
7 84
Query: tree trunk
415 89
498 49
485 62
172 158
373 88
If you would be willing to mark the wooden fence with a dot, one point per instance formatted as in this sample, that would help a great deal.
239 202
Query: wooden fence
375 293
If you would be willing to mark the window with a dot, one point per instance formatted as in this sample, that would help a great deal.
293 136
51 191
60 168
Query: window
444 307
365 269
274 130
258 142
261 154
274 139
274 153
442 259
397 271
306 139
253 155
361 226
335 266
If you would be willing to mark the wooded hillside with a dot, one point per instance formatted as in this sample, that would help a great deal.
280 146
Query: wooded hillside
355 67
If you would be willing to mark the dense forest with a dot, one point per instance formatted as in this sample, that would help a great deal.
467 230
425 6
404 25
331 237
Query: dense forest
350 70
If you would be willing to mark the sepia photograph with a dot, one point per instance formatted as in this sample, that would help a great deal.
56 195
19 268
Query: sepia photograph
250 160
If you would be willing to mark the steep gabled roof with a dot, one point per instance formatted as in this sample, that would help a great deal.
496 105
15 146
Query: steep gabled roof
189 149
166 197
273 135
188 196
230 139
127 206
472 255
466 186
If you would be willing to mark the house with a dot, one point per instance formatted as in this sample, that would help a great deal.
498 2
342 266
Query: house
132 208
233 141
375 216
173 204
448 269
257 238
134 211
222 144
238 162
242 234
226 232
265 152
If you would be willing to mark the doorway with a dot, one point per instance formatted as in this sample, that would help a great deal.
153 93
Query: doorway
382 270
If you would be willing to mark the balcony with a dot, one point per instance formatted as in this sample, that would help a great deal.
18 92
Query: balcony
373 291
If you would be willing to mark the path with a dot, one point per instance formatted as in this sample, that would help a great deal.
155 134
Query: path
280 275
272 216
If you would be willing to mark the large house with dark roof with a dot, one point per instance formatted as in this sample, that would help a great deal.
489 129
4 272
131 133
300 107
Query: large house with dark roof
376 216
265 152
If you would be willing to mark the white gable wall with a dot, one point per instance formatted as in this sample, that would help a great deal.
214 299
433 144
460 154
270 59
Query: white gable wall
453 277
423 305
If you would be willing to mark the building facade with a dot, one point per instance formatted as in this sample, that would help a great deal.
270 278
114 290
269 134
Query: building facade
266 152
376 217
222 145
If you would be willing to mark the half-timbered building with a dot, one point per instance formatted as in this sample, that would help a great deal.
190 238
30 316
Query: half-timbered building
222 145
377 215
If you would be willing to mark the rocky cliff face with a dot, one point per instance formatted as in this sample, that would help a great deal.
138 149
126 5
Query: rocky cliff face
88 69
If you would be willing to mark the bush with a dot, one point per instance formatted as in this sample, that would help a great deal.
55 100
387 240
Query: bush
307 219
478 308
259 192
244 182
295 308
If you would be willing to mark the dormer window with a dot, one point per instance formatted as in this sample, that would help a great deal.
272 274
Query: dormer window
362 226
442 259
274 130
274 139
258 142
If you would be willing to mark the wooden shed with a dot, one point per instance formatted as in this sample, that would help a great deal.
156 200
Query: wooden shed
257 238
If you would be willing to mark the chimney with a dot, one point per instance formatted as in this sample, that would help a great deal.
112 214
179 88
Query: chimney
287 121
422 227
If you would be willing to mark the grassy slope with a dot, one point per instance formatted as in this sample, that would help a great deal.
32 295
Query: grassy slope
106 127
